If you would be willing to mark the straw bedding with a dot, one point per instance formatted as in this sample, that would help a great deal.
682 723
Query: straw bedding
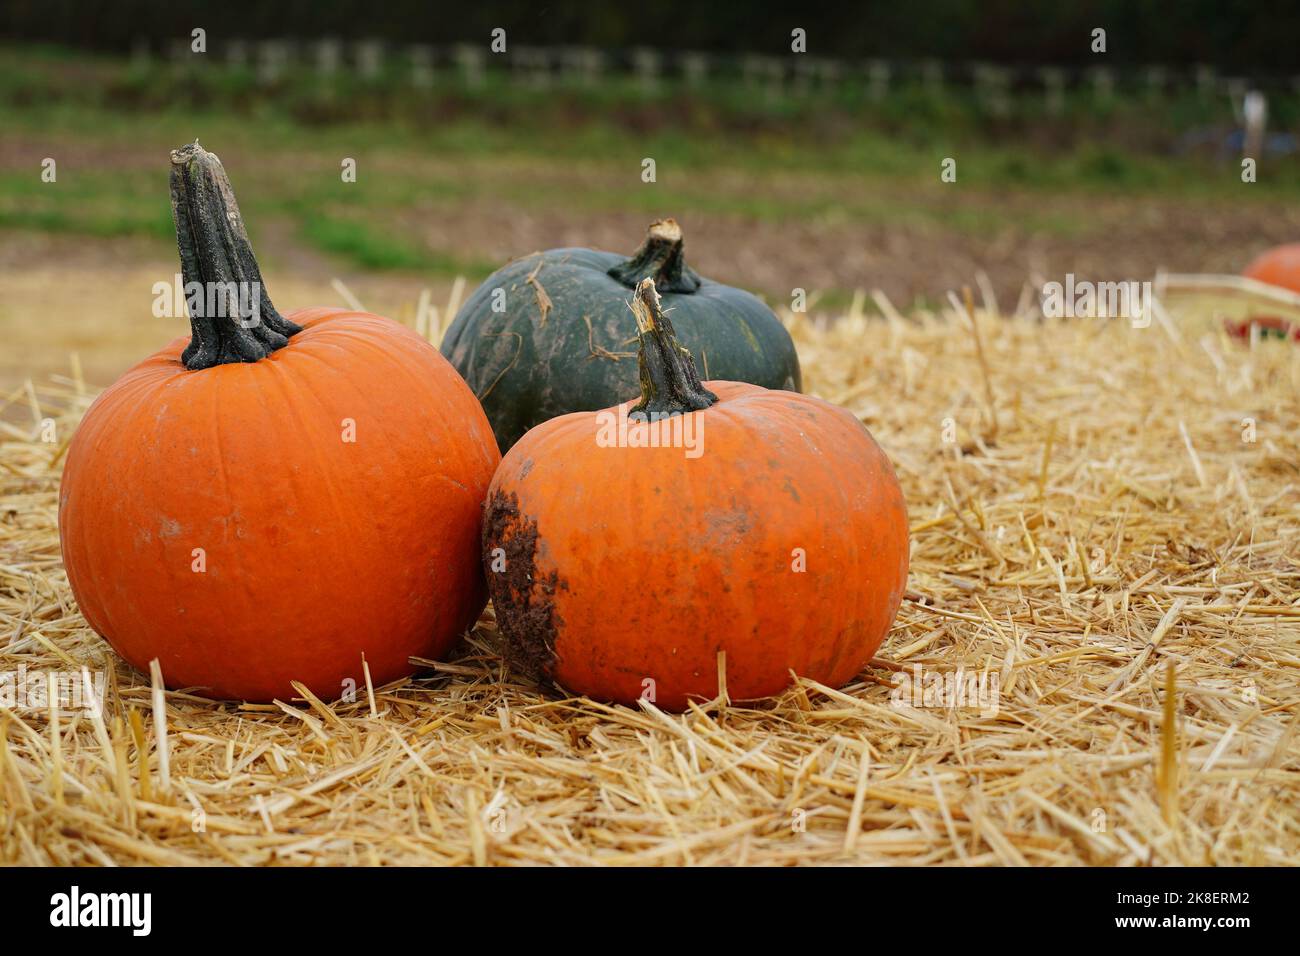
1095 535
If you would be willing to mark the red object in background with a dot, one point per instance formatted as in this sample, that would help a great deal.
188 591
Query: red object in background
1270 327
1279 266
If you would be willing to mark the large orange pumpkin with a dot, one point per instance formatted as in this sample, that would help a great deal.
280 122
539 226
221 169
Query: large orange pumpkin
280 498
625 549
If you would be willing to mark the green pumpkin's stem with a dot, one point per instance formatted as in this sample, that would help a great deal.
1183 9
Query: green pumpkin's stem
231 316
670 385
659 258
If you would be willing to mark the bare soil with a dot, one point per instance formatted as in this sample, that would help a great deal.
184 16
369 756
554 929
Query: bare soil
62 294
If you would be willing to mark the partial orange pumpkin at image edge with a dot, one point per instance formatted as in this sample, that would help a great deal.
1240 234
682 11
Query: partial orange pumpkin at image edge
1279 266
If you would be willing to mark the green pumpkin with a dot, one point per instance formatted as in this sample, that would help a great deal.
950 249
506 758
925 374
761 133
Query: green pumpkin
562 338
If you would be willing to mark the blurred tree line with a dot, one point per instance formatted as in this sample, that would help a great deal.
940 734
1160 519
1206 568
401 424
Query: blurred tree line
1243 36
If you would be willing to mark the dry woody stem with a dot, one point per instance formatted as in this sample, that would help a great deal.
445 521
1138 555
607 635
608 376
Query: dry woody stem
670 385
231 315
659 258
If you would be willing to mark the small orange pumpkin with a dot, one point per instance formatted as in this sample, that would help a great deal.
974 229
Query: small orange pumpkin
1279 266
627 548
279 498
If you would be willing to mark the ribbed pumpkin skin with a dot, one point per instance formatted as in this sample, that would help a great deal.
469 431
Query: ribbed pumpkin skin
646 563
1279 266
526 372
317 551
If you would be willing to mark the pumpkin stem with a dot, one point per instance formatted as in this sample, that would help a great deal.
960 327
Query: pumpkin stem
231 316
659 258
670 385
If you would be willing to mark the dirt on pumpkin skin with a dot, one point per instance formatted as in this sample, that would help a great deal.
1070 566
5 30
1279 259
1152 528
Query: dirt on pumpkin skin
524 603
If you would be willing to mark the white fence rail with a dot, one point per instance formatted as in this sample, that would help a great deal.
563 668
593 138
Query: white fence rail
423 65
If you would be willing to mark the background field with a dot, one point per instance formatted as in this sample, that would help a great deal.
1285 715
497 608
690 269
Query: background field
832 188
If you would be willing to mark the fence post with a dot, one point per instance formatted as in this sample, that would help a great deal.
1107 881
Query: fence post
1206 80
763 73
1054 86
695 67
1155 78
370 59
472 61
140 53
646 63
421 57
237 54
532 64
572 66
272 56
327 56
805 70
991 89
178 53
932 77
829 74
1103 84
775 69
877 80
593 66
